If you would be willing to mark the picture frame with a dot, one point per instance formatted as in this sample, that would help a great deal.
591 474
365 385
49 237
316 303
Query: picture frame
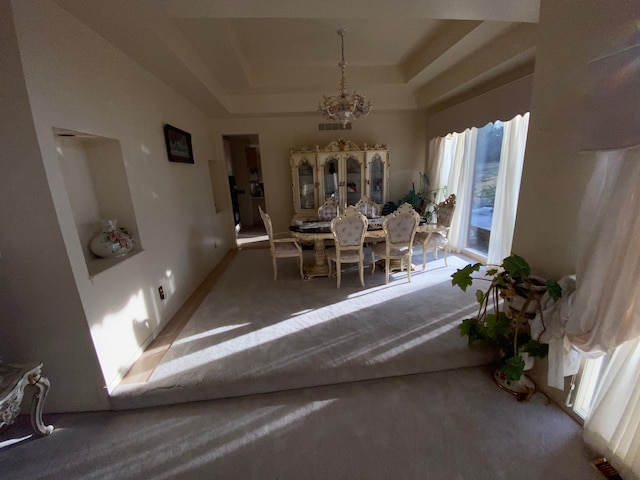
178 144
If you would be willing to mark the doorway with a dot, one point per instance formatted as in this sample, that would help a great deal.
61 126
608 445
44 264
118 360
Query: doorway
244 167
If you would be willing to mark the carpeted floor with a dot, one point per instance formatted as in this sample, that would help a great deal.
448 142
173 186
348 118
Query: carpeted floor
253 335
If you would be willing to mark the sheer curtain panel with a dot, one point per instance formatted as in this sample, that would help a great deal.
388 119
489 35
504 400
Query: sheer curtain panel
460 182
514 140
606 311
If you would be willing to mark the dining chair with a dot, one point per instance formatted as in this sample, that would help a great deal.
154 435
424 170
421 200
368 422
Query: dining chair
368 208
438 239
348 232
328 211
399 229
282 245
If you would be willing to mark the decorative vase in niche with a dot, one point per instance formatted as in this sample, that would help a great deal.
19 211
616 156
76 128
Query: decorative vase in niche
112 241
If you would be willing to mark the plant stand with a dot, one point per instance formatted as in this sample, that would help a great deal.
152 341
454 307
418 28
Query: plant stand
522 389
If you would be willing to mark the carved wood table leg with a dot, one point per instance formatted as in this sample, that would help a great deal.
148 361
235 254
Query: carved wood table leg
13 380
320 268
42 387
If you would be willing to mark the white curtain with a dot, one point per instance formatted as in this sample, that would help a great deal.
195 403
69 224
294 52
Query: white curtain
606 310
613 428
514 140
460 182
441 158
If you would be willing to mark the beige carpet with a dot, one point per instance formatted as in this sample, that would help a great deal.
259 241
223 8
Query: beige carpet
254 335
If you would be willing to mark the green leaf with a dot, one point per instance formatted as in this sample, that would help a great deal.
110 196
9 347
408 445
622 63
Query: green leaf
497 327
513 368
491 272
480 296
471 328
554 289
516 266
536 349
462 276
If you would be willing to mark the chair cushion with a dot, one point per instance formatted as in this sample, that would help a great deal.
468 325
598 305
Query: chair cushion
401 228
345 255
349 231
420 237
380 249
437 239
286 248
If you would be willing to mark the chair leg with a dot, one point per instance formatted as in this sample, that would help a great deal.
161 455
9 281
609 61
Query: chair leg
301 264
445 256
338 273
386 270
424 257
361 268
409 266
373 263
275 268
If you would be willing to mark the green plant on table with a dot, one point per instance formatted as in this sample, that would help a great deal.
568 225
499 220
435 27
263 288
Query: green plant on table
507 329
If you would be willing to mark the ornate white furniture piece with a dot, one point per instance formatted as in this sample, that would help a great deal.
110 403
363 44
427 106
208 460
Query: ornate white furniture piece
13 380
368 208
438 239
282 245
328 211
342 171
399 230
348 232
317 233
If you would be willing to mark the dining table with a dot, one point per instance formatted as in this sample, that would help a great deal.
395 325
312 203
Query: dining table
318 232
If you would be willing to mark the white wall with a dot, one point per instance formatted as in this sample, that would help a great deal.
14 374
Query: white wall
571 34
76 80
41 316
403 132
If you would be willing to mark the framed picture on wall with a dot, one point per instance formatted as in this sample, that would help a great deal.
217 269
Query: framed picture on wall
178 144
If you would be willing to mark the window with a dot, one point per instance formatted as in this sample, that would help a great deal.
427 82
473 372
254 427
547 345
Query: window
587 386
485 177
483 168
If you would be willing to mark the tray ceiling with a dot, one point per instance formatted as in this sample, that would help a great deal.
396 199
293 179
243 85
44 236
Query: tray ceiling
278 57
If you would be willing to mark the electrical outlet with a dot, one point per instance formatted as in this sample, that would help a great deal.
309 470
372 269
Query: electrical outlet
161 292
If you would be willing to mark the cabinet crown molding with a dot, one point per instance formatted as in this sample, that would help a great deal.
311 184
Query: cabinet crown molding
340 145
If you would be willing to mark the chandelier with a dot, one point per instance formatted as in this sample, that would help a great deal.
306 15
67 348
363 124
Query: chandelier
344 107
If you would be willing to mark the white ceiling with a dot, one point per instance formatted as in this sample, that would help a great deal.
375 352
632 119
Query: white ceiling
278 57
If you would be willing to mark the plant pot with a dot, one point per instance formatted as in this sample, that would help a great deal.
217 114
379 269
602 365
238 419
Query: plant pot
525 293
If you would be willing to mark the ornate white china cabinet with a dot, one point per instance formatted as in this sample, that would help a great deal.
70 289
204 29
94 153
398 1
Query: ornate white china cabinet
342 171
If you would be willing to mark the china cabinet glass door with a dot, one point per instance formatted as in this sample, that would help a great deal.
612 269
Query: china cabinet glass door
307 186
330 179
376 179
353 185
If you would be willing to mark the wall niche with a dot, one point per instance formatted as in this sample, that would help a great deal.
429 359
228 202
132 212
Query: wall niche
96 180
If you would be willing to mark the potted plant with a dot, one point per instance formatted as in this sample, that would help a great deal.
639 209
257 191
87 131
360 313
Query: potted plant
423 201
511 299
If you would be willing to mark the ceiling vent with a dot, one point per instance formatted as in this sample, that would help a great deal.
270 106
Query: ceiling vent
334 126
